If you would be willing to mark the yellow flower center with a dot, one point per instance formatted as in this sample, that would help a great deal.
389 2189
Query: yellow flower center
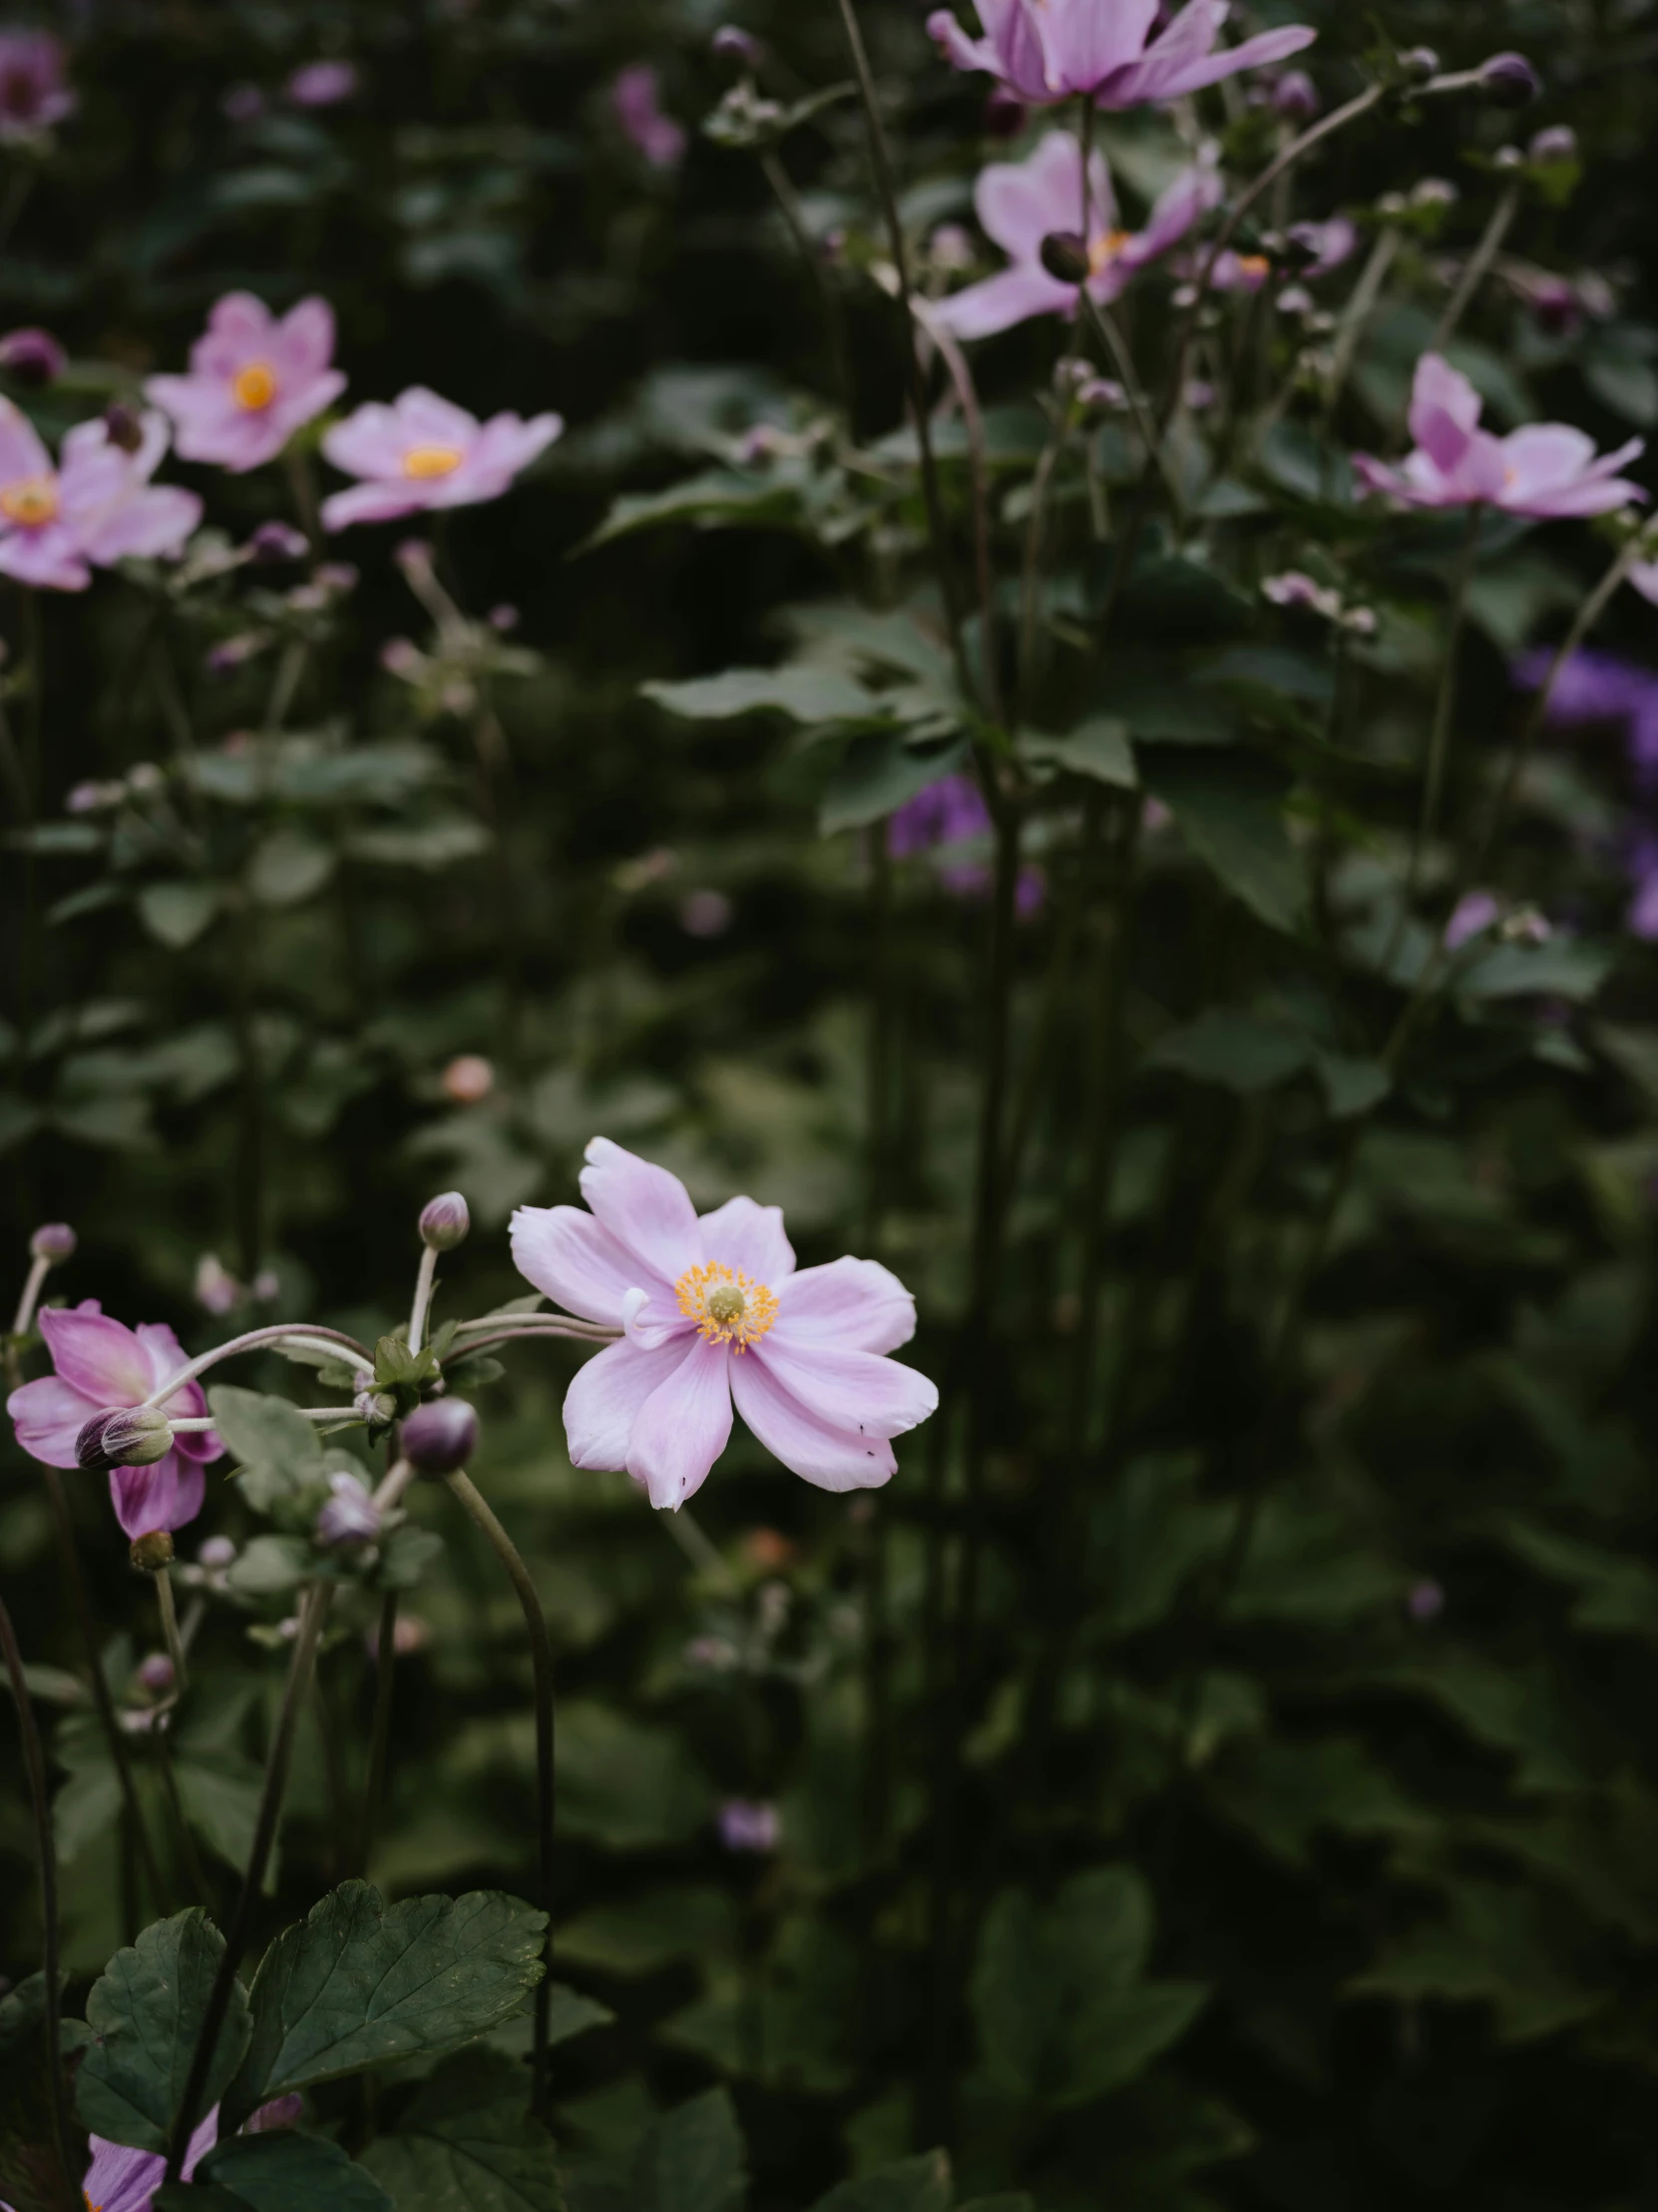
87 2201
31 503
254 386
727 1306
1255 267
1106 249
423 462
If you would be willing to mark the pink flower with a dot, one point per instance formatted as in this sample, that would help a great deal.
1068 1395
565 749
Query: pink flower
1046 51
1472 915
1547 470
322 84
253 381
423 451
33 93
713 1309
123 2180
636 99
1020 202
98 507
101 1363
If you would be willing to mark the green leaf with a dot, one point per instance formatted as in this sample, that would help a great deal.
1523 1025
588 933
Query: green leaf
175 914
1097 748
1237 1051
717 498
1563 967
147 2012
285 2171
279 1450
466 2144
1351 1086
802 693
28 2169
1229 809
645 1934
877 774
626 1784
912 2185
270 1564
354 1985
220 1797
289 866
692 2160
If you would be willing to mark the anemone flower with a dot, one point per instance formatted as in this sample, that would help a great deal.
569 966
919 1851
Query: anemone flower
96 507
123 2180
713 1310
33 92
1021 203
100 1364
1545 471
1047 51
255 379
423 452
951 824
636 99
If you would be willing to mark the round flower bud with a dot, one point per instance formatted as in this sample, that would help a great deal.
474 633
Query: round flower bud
152 1554
1507 157
734 45
217 1555
444 1223
1557 143
1004 113
155 1674
1295 97
377 1407
1418 63
1064 255
125 1436
350 1515
52 1241
440 1437
276 541
31 357
123 427
1509 80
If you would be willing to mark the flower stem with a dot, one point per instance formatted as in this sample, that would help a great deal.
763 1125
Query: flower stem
302 1335
541 1660
380 1742
425 1283
313 1614
170 1630
195 1872
23 1319
1439 744
1476 267
45 1866
788 201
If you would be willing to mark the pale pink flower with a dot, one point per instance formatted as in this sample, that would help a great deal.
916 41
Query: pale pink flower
1547 470
636 99
95 508
255 379
1474 914
715 1310
1047 51
1020 202
423 452
100 1365
321 84
33 92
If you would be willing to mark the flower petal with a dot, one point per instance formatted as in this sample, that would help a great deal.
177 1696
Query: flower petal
683 1426
833 1459
167 1495
646 1208
852 1305
857 1392
751 1237
604 1400
97 1355
49 1414
578 1262
1001 301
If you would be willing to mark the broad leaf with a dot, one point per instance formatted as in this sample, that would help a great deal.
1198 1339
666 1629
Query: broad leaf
466 2144
802 694
147 2012
692 2160
283 2172
1097 748
912 2185
354 1985
1228 806
1239 1052
877 774
30 2172
277 1447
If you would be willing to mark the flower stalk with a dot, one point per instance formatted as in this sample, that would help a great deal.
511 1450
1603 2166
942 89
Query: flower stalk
46 1868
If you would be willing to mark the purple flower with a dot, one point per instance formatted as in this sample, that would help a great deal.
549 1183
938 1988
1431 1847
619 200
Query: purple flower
101 1363
33 356
350 1515
1047 51
33 92
1600 687
123 2180
321 84
253 381
1020 203
635 98
1295 97
952 814
746 1824
98 507
713 1310
1326 245
423 452
1474 911
1547 470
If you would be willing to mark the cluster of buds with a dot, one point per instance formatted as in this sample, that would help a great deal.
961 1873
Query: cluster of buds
1293 588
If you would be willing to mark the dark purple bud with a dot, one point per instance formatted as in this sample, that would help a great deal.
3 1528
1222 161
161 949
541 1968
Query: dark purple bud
1557 143
1295 97
155 1674
441 1437
350 1515
1510 80
444 1223
125 1435
1556 307
152 1554
1004 113
53 1241
123 427
1419 64
31 357
277 541
734 45
1064 255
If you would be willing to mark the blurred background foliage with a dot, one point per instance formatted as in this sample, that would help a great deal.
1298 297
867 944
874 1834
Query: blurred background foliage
1347 1896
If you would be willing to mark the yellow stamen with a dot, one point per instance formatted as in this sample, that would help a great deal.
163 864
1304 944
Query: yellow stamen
1104 250
31 503
423 462
87 2201
254 386
1255 267
727 1306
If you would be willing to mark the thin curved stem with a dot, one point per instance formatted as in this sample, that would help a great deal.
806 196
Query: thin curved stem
34 1282
380 1742
312 1617
425 1283
170 1632
1476 267
578 1334
541 1660
788 201
961 376
310 1337
45 1866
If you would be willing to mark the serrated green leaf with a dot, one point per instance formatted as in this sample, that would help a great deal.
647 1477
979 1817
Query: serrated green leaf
1099 748
278 1449
147 2011
355 1985
466 2144
912 2185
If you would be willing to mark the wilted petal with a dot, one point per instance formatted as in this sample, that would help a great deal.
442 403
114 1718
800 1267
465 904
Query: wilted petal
833 1459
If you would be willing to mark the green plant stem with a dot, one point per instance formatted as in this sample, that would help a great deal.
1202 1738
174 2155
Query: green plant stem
46 1868
961 376
313 1614
194 1873
380 1742
1439 744
1478 267
886 190
170 1632
425 1283
878 1045
541 1660
788 201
